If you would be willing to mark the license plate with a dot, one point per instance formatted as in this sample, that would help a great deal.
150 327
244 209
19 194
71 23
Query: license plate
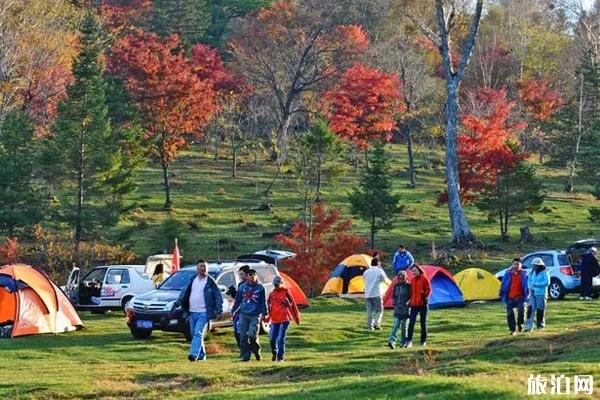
143 324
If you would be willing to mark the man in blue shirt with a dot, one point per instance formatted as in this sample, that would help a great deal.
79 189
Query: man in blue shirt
251 304
403 260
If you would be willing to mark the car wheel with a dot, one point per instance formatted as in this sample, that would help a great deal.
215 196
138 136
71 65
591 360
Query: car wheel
556 290
141 333
265 327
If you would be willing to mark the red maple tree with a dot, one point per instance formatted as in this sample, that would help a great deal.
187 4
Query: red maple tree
538 98
319 247
364 105
175 103
487 145
126 14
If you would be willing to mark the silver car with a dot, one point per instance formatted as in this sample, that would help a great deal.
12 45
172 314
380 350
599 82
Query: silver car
563 278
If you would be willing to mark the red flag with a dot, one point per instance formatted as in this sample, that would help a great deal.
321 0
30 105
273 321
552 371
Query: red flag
175 260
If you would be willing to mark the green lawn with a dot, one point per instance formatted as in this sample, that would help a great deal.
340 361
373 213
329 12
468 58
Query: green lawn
330 356
224 223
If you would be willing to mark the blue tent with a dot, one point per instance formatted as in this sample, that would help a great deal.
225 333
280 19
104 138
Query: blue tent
444 290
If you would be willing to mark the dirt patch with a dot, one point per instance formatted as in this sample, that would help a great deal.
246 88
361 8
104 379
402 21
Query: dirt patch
174 382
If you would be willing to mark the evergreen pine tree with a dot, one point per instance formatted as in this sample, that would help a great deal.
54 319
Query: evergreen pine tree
95 172
373 200
20 199
516 191
589 158
188 18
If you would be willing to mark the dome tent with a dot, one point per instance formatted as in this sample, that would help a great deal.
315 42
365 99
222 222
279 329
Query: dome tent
30 303
478 284
444 290
346 279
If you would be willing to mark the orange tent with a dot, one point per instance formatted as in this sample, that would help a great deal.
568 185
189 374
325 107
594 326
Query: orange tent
295 290
33 304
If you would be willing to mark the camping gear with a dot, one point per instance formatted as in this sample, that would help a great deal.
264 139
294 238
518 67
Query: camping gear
295 290
30 303
478 284
346 279
444 290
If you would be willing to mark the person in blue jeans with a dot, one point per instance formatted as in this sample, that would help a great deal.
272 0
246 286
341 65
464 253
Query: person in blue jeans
401 299
402 260
513 293
282 309
202 301
538 283
232 291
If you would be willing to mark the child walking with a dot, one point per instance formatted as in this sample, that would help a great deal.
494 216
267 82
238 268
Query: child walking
401 299
282 309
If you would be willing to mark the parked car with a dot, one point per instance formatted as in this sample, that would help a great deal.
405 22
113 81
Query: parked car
107 287
563 277
160 309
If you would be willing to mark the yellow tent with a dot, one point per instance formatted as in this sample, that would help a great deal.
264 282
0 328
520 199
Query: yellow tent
347 277
478 284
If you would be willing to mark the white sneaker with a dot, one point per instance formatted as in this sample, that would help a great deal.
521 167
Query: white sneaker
581 298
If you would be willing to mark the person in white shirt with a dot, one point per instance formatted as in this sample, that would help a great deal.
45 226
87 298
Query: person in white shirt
374 277
203 300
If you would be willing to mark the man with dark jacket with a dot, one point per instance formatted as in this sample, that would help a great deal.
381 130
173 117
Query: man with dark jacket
513 293
589 269
251 304
232 292
203 301
401 299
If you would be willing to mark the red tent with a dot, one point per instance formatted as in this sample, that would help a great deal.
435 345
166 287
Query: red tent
444 290
295 290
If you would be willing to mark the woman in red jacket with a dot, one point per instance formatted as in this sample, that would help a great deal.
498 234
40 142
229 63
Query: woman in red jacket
420 290
282 309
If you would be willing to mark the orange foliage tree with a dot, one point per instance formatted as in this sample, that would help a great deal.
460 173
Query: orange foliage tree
364 105
487 145
9 251
319 246
174 102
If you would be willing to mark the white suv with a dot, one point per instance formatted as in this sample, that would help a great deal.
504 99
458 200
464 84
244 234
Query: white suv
107 287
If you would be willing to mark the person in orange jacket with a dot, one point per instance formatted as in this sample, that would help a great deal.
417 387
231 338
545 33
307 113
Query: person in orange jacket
282 309
420 291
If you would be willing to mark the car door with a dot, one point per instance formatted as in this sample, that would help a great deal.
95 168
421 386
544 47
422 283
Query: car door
226 280
90 287
116 284
265 276
72 286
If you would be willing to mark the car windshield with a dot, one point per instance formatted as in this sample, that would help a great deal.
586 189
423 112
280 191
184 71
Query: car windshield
180 279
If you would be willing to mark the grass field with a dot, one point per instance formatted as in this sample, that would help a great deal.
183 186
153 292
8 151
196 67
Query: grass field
330 356
219 217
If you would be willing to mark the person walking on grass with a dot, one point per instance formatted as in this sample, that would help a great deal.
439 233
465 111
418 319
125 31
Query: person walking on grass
513 293
251 304
401 299
232 291
373 277
282 309
537 283
419 298
202 300
589 269
402 260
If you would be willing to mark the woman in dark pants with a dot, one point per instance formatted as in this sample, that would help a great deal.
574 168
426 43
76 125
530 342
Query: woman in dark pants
420 290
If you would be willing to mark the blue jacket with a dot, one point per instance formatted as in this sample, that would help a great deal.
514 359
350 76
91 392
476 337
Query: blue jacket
539 282
212 297
505 286
250 300
402 261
